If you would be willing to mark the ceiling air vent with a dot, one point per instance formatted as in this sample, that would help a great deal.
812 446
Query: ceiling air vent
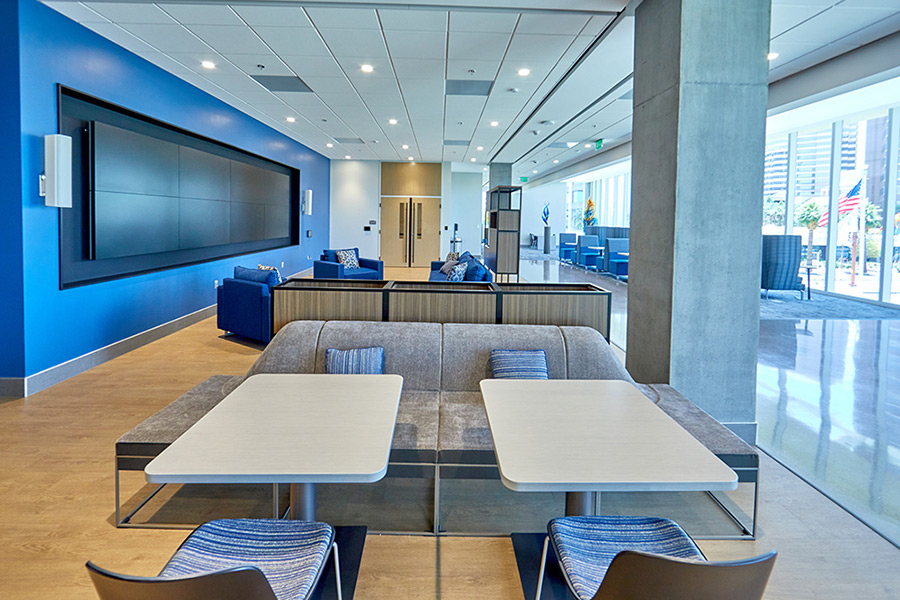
282 83
457 142
348 140
561 145
466 87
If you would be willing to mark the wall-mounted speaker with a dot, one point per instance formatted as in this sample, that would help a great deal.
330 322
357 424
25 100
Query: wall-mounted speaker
307 202
56 181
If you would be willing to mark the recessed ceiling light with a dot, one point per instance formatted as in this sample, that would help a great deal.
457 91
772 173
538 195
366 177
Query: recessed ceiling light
772 56
571 144
484 169
392 121
410 158
494 123
291 120
534 172
555 162
405 146
587 145
208 64
329 145
347 157
479 148
473 159
524 72
366 68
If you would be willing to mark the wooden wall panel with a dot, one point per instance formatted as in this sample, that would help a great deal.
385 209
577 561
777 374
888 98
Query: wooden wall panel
447 307
534 308
325 305
408 179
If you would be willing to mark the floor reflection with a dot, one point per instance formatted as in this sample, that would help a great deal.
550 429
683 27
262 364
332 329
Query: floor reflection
828 406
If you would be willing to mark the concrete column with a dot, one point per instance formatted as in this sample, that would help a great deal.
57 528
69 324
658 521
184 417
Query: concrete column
700 88
500 174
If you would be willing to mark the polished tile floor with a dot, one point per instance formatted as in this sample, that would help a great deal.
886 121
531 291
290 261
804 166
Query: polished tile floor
828 398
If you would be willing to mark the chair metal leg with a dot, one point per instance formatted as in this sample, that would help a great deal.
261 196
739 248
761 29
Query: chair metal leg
337 570
540 583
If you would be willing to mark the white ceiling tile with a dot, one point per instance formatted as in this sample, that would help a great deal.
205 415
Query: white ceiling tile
786 17
352 64
509 73
552 23
234 83
127 12
416 44
529 46
431 87
329 85
419 68
833 24
295 42
343 18
168 38
118 35
484 69
413 20
192 61
234 39
313 66
376 86
260 95
361 43
201 14
483 22
77 12
274 16
598 23
391 101
478 46
301 99
249 63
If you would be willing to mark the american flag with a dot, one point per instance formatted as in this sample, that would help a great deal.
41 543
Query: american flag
847 202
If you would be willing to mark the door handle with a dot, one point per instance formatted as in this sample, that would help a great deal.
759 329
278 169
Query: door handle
412 237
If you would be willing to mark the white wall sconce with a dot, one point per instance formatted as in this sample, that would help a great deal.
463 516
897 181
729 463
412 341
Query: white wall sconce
307 202
56 180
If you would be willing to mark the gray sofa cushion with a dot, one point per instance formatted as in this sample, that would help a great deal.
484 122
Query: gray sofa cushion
464 436
416 430
590 357
156 432
467 351
292 350
412 350
717 438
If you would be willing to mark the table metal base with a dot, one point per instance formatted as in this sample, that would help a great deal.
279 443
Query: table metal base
581 504
303 501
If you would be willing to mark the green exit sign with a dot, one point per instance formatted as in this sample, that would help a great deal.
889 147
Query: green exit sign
598 144
523 179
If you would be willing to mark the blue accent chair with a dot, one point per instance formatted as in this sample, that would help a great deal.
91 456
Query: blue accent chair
614 261
644 558
244 303
328 267
567 243
234 559
781 263
587 250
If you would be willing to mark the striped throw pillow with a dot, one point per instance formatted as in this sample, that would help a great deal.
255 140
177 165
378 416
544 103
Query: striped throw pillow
356 361
519 364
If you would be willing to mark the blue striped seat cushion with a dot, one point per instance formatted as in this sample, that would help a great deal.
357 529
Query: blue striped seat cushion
519 364
586 546
356 361
289 553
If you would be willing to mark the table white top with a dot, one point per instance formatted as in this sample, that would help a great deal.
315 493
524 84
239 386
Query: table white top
562 435
289 429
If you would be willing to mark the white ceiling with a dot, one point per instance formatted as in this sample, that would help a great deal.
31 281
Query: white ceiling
579 53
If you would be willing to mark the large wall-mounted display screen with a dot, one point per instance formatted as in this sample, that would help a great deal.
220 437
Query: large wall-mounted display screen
148 196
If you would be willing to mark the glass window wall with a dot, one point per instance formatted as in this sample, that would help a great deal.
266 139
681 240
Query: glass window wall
775 185
812 185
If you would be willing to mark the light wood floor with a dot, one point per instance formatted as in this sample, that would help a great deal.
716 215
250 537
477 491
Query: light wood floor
56 501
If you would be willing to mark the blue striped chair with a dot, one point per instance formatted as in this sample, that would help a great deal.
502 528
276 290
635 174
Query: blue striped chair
645 558
781 263
234 559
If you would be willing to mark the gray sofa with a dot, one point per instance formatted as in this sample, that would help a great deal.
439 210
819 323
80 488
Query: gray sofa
441 420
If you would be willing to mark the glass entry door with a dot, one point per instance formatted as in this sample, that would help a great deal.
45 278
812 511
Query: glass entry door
410 231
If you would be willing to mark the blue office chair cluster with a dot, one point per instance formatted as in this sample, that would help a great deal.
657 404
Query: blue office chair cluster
645 558
234 559
598 252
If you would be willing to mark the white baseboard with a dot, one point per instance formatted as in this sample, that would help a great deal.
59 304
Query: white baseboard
18 387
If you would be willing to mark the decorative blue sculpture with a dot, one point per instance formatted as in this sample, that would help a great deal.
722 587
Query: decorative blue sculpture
545 215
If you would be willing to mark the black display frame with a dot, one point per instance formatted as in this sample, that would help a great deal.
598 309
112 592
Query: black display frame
76 110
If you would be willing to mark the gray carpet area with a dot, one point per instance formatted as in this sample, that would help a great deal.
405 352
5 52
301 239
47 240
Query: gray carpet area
779 305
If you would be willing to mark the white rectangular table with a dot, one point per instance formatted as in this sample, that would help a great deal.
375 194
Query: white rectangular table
296 429
583 437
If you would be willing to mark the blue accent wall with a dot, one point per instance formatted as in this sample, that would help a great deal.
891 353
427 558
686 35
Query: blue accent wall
12 330
63 324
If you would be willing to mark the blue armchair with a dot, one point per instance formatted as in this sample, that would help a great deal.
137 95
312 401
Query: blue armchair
567 245
328 267
781 263
587 251
614 261
244 303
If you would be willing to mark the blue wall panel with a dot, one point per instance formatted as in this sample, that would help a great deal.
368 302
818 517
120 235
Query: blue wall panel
12 332
61 325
